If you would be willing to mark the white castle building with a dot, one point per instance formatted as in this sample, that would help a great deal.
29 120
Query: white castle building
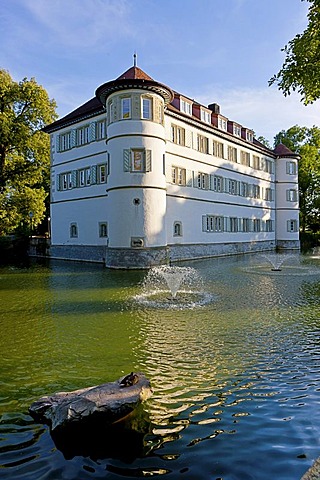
142 175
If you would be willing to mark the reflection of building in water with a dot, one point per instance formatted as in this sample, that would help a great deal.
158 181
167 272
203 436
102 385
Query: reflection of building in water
141 174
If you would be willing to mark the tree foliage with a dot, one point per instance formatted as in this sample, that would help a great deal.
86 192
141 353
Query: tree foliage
306 142
301 68
264 141
25 109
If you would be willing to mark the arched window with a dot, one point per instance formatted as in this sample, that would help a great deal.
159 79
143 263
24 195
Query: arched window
177 229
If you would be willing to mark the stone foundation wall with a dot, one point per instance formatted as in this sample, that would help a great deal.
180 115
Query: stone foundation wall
81 253
136 258
288 245
185 252
129 258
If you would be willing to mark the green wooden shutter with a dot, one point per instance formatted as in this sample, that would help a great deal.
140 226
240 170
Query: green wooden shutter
126 160
73 138
74 178
93 174
108 163
195 179
204 223
189 178
58 180
188 138
58 143
148 160
92 131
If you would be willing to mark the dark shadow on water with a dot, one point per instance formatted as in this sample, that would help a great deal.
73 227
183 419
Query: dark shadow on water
62 275
123 440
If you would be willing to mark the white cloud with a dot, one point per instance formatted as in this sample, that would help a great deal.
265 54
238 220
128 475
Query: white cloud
265 110
81 24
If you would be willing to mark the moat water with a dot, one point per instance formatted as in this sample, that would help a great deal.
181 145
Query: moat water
236 378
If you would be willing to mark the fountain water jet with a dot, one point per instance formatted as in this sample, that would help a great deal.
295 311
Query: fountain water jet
277 263
183 284
276 260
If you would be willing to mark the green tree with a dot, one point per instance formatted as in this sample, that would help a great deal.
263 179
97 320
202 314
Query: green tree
301 68
25 109
306 142
264 141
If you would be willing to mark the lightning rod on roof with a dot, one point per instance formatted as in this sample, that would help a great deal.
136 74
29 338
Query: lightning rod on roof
134 59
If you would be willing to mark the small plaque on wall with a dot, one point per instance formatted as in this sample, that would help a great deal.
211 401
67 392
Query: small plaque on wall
137 242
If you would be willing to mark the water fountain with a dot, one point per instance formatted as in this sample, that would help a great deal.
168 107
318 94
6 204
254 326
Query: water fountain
173 287
277 264
276 260
228 377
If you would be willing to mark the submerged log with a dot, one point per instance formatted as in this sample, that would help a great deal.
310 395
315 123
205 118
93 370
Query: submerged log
107 403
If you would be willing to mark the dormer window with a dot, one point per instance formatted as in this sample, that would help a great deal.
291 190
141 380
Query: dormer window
222 123
249 136
205 116
236 130
186 107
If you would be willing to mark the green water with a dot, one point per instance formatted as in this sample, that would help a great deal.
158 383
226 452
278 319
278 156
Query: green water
236 380
63 325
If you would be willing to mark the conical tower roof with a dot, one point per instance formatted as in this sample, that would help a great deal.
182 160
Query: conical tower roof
282 150
133 78
134 73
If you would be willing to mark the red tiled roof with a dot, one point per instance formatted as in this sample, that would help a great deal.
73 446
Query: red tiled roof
88 109
134 73
282 150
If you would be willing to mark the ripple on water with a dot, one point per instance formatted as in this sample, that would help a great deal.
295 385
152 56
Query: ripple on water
236 382
184 299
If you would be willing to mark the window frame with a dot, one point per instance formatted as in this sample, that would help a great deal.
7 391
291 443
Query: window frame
292 226
234 224
202 143
65 141
73 230
186 106
245 158
205 116
103 229
126 108
177 229
146 101
256 225
83 135
178 134
214 223
218 149
178 175
232 154
102 178
292 195
101 131
138 160
256 164
217 184
202 181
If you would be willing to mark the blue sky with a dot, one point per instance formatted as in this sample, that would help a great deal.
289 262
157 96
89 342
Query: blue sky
221 51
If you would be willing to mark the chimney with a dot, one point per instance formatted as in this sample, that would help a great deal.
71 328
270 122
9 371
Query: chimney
214 107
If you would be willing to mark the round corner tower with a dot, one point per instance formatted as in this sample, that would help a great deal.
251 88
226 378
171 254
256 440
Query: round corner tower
287 199
136 186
